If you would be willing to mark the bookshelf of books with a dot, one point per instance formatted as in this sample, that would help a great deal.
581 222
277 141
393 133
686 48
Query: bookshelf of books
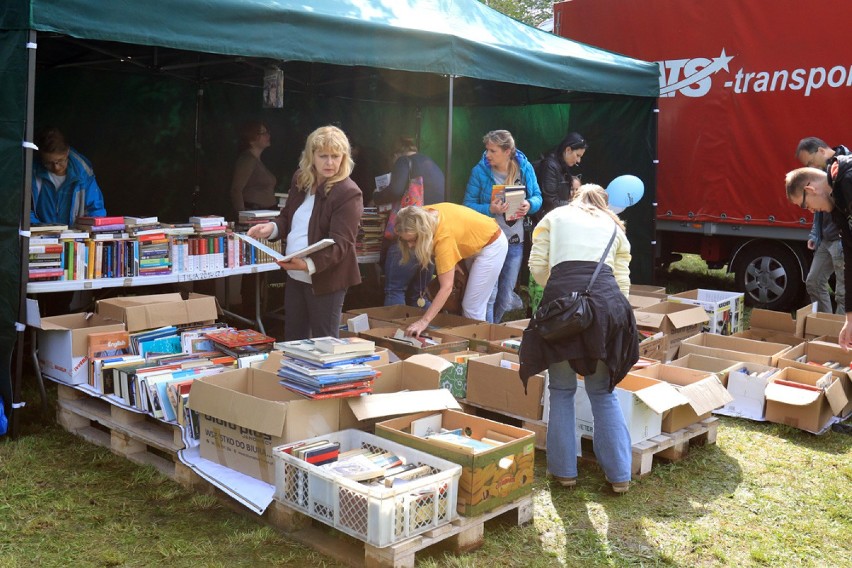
110 252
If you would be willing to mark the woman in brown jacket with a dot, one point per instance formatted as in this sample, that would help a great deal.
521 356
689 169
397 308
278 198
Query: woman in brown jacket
323 203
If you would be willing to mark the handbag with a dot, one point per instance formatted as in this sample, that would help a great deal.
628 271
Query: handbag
568 315
413 196
453 304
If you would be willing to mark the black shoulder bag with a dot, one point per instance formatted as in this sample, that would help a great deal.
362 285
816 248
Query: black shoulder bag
568 315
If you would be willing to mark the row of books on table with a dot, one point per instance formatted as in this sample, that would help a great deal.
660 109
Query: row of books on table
63 255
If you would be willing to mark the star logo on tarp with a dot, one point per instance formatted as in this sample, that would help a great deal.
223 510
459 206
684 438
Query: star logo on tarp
692 78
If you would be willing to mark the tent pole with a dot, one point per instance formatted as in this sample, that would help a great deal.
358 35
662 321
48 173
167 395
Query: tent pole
24 240
449 164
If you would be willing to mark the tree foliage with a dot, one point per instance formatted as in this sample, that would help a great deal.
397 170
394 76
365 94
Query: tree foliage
532 12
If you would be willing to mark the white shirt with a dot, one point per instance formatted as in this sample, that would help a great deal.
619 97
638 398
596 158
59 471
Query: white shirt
297 238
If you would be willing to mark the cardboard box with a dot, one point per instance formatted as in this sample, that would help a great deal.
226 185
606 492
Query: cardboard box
508 345
805 409
158 310
771 336
442 321
246 412
703 390
389 313
496 387
520 324
747 386
676 321
489 477
818 352
383 336
640 301
482 335
643 401
654 347
782 322
733 348
648 290
820 323
407 381
719 367
724 309
63 343
455 380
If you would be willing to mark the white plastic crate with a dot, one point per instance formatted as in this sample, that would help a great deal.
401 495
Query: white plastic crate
377 515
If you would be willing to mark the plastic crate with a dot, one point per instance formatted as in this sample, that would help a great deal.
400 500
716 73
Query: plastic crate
377 515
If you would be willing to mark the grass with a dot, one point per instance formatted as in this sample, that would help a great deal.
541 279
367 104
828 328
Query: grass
764 495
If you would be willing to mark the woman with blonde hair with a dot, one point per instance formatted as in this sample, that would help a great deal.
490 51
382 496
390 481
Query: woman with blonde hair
453 233
503 164
323 203
568 244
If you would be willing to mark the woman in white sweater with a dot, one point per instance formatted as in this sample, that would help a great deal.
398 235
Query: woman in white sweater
567 245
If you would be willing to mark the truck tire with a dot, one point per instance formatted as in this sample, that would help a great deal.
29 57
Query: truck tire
770 276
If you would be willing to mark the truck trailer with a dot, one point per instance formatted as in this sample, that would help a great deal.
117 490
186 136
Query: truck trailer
741 83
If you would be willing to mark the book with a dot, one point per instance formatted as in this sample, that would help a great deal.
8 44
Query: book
344 345
133 221
514 195
323 454
357 468
99 221
239 337
207 220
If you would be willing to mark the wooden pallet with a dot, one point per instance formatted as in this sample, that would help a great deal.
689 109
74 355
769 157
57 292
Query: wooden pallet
138 437
463 534
667 446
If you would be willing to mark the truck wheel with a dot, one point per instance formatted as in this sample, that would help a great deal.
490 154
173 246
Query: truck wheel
769 275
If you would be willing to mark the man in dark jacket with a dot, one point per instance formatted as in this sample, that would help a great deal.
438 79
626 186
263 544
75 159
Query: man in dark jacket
824 238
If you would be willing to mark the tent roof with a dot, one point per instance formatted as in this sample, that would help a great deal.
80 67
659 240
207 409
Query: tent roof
449 37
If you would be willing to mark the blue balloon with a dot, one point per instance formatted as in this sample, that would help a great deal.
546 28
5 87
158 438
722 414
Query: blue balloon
625 191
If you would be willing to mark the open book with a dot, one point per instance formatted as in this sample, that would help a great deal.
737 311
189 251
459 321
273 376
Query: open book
307 251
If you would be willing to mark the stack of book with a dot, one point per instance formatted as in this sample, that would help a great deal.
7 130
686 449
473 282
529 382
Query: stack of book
105 227
46 259
154 254
328 367
208 224
368 245
240 342
247 219
377 468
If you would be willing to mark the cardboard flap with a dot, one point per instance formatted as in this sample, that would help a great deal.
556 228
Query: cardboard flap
801 317
706 395
661 397
249 412
648 319
791 395
430 361
685 318
836 397
410 402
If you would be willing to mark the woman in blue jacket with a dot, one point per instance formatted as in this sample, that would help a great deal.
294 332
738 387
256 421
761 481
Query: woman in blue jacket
503 164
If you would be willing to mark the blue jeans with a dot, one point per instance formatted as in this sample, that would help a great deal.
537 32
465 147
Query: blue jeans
611 436
503 293
404 282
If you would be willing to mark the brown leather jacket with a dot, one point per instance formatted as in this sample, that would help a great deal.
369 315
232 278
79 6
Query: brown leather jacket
336 215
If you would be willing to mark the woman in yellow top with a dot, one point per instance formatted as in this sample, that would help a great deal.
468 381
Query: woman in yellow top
453 233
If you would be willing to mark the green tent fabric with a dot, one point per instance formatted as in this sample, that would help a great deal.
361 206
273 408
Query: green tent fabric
377 62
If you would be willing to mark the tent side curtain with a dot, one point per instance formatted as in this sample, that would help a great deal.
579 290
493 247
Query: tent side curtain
456 37
13 88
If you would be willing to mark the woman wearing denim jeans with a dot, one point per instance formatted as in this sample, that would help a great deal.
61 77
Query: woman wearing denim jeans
567 245
503 164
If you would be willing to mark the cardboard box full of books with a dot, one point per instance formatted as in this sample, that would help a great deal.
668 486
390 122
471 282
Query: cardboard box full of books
389 313
676 321
483 335
807 400
821 356
719 367
158 310
442 321
733 348
642 400
782 322
436 342
724 309
820 323
246 412
747 386
704 393
63 343
493 382
455 379
496 471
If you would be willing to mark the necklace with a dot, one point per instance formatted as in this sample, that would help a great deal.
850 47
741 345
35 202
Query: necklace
421 300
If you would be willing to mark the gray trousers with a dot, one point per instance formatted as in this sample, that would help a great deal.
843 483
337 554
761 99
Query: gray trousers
307 315
828 258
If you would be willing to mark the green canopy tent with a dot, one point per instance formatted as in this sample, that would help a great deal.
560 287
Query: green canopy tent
136 81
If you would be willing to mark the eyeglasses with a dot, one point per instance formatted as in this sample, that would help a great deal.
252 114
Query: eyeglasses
55 163
804 198
263 132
